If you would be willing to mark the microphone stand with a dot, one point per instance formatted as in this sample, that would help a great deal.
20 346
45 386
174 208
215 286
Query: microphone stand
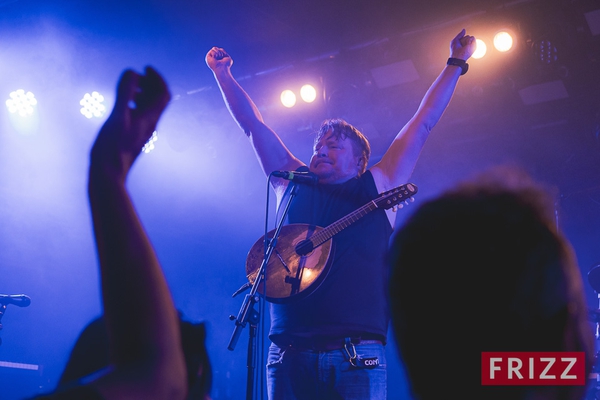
2 311
20 300
247 313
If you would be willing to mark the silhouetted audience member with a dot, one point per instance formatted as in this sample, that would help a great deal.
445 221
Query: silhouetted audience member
146 360
484 268
90 354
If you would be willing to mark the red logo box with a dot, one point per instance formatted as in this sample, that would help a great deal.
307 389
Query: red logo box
533 368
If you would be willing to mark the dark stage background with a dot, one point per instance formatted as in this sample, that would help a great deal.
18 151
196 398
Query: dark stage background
201 193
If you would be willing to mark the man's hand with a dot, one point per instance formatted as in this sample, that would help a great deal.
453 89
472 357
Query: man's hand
217 58
462 46
141 99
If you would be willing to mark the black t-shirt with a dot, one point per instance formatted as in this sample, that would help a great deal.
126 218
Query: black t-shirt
352 300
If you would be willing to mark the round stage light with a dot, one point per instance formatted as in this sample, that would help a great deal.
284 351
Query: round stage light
503 41
91 105
21 103
480 50
288 98
149 145
308 93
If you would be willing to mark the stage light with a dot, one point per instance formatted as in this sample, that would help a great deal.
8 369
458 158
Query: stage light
308 93
288 98
21 103
149 146
503 41
546 51
480 50
91 105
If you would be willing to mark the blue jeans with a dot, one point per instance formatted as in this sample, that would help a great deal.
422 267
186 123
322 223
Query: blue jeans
327 375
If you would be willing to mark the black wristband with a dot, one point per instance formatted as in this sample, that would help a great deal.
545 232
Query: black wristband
459 63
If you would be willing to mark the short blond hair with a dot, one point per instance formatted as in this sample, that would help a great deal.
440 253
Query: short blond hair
342 130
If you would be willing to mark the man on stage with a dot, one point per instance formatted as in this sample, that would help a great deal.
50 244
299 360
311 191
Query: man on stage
330 344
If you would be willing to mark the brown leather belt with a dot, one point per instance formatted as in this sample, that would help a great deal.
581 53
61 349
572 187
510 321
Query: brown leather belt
321 343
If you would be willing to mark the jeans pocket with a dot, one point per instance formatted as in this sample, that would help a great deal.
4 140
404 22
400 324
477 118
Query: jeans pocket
275 355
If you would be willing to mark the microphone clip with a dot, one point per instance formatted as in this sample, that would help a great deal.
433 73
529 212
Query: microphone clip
305 177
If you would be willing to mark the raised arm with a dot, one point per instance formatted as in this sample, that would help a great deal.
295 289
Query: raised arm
143 326
397 164
270 150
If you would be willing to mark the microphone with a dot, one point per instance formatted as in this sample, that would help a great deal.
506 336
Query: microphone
19 300
298 176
